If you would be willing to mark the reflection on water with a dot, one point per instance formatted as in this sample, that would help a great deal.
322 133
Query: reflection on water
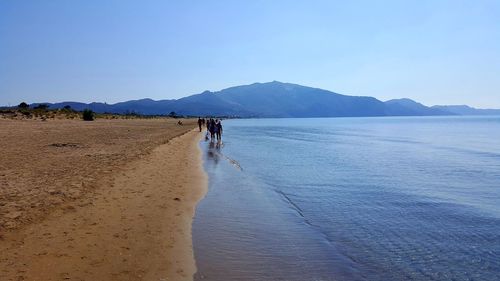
351 199
214 154
213 151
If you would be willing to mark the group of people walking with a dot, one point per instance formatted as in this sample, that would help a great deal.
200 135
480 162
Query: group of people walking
214 128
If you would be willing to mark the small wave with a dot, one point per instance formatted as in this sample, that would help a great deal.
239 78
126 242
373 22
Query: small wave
233 162
293 204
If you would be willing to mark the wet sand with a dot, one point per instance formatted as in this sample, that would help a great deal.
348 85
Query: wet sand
137 185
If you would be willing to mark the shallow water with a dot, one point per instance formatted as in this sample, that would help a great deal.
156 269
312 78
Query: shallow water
414 198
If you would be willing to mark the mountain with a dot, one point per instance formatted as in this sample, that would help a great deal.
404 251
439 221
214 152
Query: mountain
209 103
276 99
143 106
408 107
467 110
79 106
272 99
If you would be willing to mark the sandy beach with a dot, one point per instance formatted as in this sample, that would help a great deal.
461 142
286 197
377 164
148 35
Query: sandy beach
102 200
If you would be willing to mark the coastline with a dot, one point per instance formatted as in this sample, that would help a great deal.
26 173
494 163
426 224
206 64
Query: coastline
137 226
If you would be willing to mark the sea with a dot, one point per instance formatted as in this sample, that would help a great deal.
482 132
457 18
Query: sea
381 198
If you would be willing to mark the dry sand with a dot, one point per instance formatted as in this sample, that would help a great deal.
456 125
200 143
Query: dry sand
103 200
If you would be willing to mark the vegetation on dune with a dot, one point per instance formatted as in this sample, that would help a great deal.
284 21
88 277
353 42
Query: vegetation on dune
88 115
42 106
23 105
44 112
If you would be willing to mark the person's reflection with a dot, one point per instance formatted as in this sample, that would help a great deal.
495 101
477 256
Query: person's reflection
213 152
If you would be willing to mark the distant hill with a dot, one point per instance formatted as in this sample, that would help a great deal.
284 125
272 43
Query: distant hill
408 107
467 110
272 99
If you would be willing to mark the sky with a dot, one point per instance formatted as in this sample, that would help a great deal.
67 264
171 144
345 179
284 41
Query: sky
435 52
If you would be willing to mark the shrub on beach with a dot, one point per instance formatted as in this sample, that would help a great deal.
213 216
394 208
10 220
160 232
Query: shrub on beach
42 107
88 115
23 105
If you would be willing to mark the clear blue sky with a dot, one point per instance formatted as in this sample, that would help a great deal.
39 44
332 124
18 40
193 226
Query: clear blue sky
436 52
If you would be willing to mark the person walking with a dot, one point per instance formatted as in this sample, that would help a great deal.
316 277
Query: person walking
219 130
216 129
200 123
211 128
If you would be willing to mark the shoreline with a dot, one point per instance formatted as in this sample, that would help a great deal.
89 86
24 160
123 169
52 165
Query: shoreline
137 227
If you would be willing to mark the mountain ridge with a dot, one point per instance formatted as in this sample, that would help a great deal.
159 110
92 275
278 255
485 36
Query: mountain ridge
275 99
467 110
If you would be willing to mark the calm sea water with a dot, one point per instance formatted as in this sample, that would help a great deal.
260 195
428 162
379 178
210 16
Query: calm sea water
352 199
